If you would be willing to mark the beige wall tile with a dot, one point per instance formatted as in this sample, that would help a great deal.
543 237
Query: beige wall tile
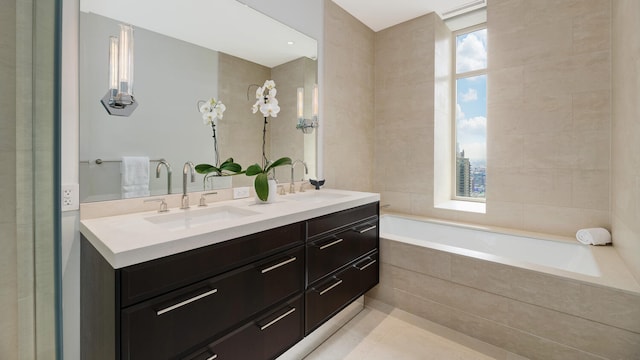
590 189
609 306
562 220
591 110
625 163
348 113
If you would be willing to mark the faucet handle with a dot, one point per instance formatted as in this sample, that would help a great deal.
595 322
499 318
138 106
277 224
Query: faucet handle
281 190
302 184
203 196
163 204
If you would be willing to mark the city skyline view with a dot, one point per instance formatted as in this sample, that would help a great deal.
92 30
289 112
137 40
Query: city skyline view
471 113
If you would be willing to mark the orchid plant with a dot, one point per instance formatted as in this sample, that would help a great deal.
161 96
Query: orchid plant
267 104
211 110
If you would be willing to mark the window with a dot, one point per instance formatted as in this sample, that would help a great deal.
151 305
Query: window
470 115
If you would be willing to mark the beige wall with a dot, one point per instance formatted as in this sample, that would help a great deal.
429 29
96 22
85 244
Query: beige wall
548 116
348 111
625 159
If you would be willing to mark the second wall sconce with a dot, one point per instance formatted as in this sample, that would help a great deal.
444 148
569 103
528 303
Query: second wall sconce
119 100
307 125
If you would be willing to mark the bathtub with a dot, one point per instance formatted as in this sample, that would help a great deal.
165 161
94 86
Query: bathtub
573 257
541 296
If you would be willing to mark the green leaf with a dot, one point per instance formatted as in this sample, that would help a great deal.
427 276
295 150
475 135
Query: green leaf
231 166
254 169
262 186
279 162
206 168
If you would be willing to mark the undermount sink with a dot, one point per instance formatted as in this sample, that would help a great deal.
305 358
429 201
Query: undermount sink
315 196
186 219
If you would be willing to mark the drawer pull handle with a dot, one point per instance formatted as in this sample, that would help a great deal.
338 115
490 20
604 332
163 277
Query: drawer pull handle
331 244
366 266
367 229
279 264
215 356
188 301
330 287
263 327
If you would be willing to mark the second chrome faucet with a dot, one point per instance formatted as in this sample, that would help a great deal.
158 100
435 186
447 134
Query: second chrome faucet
188 167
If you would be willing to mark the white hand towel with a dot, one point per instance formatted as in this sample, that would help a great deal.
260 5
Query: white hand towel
594 236
135 176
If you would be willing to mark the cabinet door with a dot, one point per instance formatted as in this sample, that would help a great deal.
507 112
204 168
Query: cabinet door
331 222
168 325
329 296
331 252
143 281
264 338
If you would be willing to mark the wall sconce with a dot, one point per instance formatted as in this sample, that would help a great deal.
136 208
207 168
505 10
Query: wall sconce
119 100
307 125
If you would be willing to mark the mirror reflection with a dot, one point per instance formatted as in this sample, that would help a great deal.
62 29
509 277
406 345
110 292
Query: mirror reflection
173 72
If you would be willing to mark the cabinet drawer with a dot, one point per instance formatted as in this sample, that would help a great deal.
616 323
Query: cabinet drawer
264 338
143 281
330 296
167 325
329 253
333 221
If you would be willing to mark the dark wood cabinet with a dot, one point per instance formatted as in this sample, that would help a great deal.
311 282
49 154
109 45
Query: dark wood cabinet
342 261
166 325
247 298
327 297
266 337
330 252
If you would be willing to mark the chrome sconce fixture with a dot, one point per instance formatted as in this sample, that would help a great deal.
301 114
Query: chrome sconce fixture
307 125
119 100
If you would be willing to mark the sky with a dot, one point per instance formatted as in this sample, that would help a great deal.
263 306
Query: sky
471 104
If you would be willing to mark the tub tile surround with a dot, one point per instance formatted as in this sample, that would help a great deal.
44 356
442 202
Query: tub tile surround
537 315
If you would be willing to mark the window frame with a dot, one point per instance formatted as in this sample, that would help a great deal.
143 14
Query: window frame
454 101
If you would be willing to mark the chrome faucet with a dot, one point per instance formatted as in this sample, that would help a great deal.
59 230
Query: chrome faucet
166 164
292 188
188 166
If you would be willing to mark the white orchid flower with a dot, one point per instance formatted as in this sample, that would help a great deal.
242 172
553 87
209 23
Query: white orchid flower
259 93
270 84
220 108
208 118
205 107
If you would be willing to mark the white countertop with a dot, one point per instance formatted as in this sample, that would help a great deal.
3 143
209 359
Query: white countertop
130 239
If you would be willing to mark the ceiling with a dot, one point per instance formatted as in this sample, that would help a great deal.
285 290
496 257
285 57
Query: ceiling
381 14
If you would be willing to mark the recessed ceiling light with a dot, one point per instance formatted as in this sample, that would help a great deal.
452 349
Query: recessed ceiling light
290 42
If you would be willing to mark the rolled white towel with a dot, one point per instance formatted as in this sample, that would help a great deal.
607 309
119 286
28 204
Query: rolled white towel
594 236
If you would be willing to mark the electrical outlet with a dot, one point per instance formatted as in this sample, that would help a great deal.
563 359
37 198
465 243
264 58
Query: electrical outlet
241 192
70 197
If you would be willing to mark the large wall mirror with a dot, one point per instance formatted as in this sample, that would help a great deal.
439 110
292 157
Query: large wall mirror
184 52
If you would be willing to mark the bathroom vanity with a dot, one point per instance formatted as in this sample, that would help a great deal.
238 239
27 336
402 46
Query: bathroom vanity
234 280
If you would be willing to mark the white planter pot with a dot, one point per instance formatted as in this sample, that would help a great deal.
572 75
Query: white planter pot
273 187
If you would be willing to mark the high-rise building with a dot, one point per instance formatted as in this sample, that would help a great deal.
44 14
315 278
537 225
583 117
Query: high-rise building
463 175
